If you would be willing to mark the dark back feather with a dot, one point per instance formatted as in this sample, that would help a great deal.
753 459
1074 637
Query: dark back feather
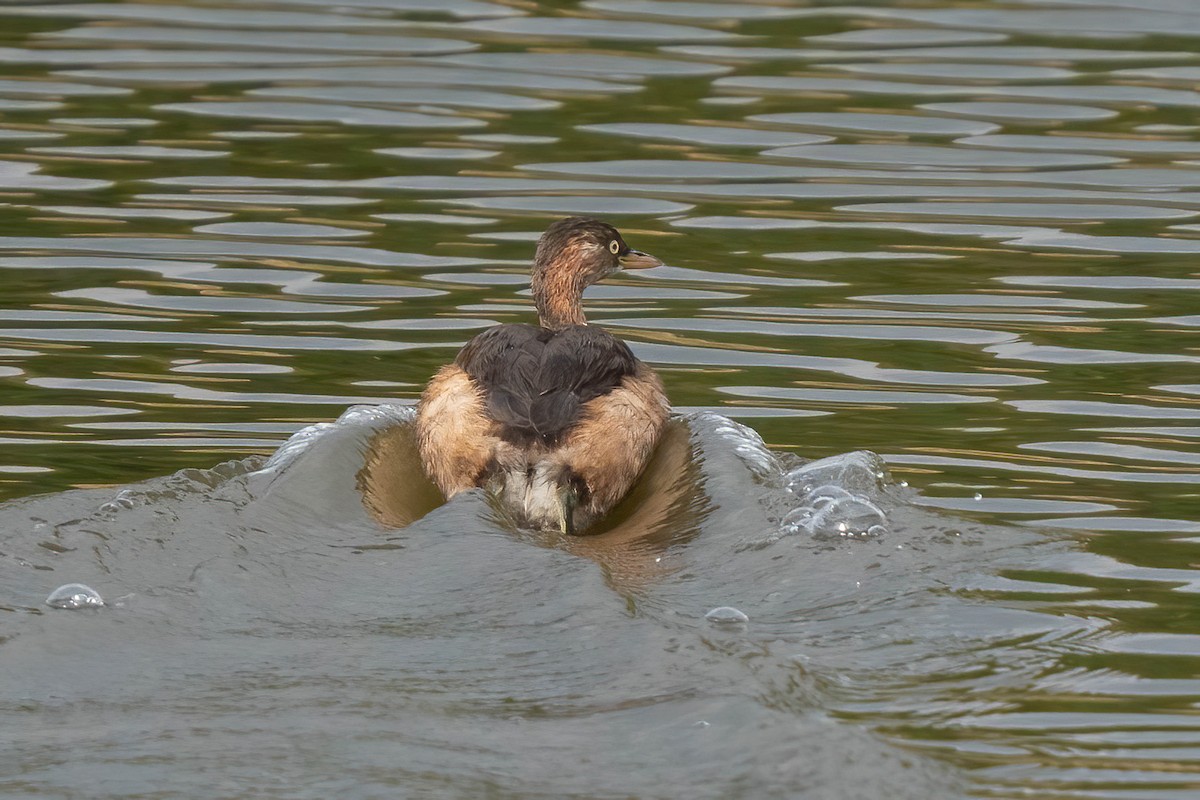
536 380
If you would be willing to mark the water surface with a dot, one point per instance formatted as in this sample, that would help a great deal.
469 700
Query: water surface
963 238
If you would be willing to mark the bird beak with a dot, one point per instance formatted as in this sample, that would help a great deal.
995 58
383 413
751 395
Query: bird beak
636 259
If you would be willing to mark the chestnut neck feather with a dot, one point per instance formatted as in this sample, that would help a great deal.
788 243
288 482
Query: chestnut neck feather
558 289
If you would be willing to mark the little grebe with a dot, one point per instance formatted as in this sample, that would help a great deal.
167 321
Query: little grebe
558 418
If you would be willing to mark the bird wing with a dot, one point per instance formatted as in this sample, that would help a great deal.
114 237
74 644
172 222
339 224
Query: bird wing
536 381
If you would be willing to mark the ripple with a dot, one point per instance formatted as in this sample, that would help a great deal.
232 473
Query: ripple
1044 21
872 396
904 37
481 278
181 391
751 412
1024 351
436 219
236 340
1013 505
1111 450
830 330
172 57
38 315
134 213
879 123
436 153
1107 244
1185 74
618 67
1022 112
437 324
904 314
280 230
656 353
695 10
1086 144
255 136
395 96
988 300
575 205
793 85
1139 524
131 151
14 175
360 291
453 8
447 75
933 156
317 112
42 89
1067 211
958 71
189 15
974 464
1123 95
139 298
616 292
743 223
1182 388
28 105
706 134
1192 321
1018 53
1097 408
255 199
869 255
279 39
218 247
41 411
737 279
1169 432
601 29
221 368
662 168
19 135
1155 644
1143 282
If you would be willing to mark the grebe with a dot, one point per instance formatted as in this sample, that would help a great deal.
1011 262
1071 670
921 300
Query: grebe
558 418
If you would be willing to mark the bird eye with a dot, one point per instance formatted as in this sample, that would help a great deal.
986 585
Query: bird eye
614 246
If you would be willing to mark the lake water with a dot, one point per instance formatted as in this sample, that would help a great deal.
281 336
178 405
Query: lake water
963 237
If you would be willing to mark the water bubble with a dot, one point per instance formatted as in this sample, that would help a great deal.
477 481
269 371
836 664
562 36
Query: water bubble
979 495
903 484
824 495
73 596
700 724
839 514
861 472
726 615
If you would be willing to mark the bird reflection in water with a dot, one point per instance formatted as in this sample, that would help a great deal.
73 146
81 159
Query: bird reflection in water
664 508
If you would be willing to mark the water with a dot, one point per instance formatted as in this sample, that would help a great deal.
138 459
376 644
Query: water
961 238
